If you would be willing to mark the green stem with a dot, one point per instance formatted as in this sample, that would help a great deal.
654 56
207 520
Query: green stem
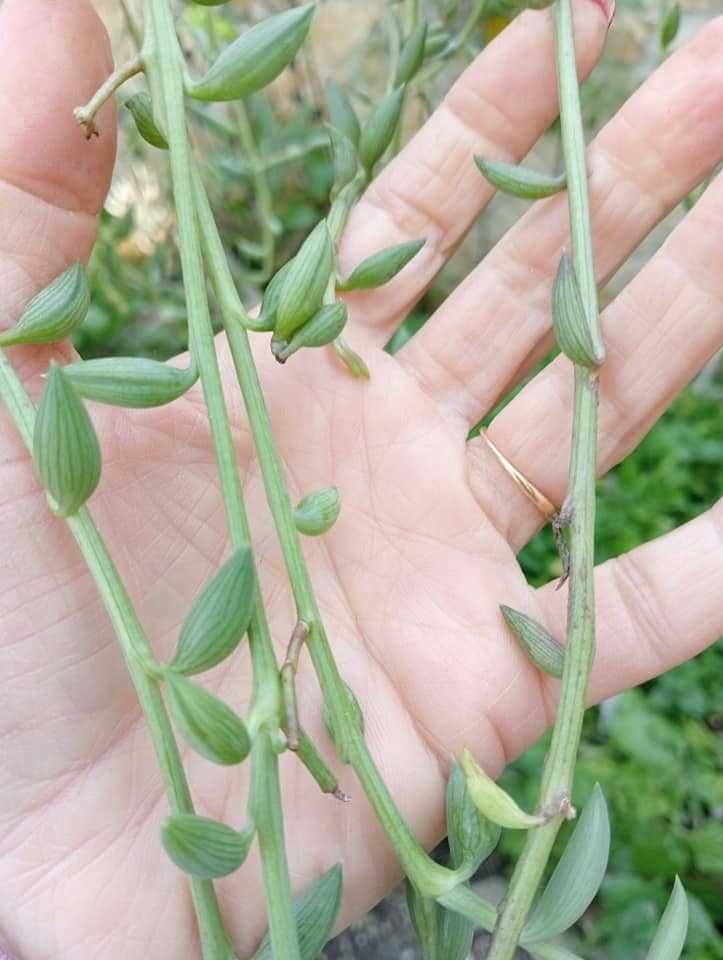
86 115
579 507
137 653
165 67
268 817
428 877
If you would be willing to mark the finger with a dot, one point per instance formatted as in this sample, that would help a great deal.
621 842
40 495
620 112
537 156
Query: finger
656 606
499 107
52 181
496 325
659 332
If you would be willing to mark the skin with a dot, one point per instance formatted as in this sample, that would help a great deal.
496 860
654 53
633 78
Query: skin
410 579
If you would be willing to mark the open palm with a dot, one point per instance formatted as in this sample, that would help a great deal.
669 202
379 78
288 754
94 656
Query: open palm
410 579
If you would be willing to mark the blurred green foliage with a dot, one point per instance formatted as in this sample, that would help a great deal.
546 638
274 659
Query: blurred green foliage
657 750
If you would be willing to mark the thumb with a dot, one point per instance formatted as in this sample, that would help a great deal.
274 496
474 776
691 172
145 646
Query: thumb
53 56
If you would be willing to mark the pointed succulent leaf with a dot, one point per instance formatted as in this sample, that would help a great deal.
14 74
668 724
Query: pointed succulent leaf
577 334
207 723
55 312
65 446
492 801
219 617
672 930
272 294
323 329
520 181
578 875
346 159
256 58
129 381
456 934
315 912
357 716
317 513
540 646
379 128
670 26
305 282
342 115
205 848
381 267
472 837
425 914
437 39
411 55
141 109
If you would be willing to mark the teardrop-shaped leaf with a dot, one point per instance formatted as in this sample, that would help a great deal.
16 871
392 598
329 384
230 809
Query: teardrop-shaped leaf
379 128
323 329
219 616
672 930
55 312
207 723
318 512
315 912
381 267
540 646
472 837
129 381
305 282
577 876
342 115
256 58
272 295
65 446
577 334
492 801
425 914
205 848
411 55
140 106
670 26
520 181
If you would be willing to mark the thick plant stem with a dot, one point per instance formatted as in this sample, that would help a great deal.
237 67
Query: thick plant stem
138 657
165 68
428 876
579 508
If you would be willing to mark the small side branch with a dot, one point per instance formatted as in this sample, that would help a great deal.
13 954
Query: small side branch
288 683
86 115
314 763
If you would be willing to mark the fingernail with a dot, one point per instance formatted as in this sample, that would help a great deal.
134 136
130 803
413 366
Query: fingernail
608 8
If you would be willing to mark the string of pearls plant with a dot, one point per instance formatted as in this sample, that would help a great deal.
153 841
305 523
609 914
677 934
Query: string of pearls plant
302 310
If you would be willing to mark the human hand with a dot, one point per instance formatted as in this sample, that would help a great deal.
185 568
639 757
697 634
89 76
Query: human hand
410 579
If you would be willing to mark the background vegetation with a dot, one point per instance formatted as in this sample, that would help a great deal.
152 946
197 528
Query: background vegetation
658 749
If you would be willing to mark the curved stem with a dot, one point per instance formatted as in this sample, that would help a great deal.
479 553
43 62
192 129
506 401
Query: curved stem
165 67
579 508
428 876
136 651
